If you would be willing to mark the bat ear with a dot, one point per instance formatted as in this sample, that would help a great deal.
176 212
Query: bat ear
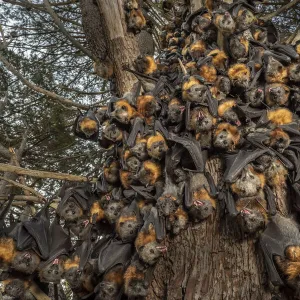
141 248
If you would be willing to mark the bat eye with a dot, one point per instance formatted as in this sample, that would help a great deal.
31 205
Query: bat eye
49 271
206 208
280 140
73 212
124 107
152 251
110 289
251 176
56 272
27 264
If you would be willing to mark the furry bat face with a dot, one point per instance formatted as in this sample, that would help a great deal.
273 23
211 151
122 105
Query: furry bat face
255 96
167 204
239 75
79 227
133 164
71 211
112 132
135 285
276 72
276 173
15 288
279 140
151 252
245 19
136 20
175 112
157 146
52 272
127 228
239 47
277 94
223 84
251 220
178 220
201 120
145 65
149 173
226 136
140 150
249 183
225 23
193 91
227 113
123 112
26 262
294 72
111 172
112 210
112 282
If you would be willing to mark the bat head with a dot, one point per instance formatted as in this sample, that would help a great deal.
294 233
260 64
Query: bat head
15 288
112 210
224 84
204 122
251 220
294 72
123 112
226 23
196 93
88 126
157 146
167 204
231 116
79 227
137 288
71 210
52 272
26 262
112 132
277 94
133 164
140 151
73 277
149 173
223 140
248 183
175 114
201 209
279 140
151 252
111 172
108 290
127 228
179 222
255 96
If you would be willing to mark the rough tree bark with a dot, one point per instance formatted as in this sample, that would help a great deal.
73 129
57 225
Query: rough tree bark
211 260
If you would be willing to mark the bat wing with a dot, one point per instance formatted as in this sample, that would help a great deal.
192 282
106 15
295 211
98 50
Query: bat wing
188 199
160 128
271 200
230 203
38 228
114 252
286 49
235 163
138 127
212 186
212 104
193 147
272 243
158 223
144 191
60 242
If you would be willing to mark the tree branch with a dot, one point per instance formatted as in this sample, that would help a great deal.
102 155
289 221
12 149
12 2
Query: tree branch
280 10
43 174
65 32
38 89
22 186
290 39
22 198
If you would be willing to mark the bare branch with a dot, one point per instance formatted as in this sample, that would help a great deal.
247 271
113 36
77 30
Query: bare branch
293 35
280 10
22 186
22 198
43 174
83 92
65 32
38 89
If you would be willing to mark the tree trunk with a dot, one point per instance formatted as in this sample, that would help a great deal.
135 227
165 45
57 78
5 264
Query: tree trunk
211 261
